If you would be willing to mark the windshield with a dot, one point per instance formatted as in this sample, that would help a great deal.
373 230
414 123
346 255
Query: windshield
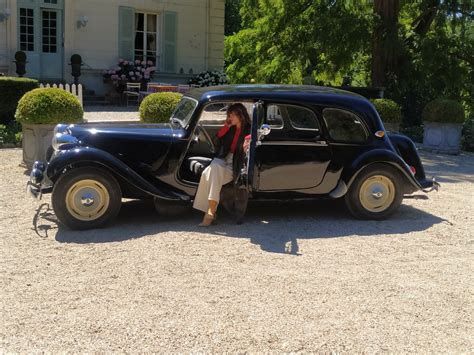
183 112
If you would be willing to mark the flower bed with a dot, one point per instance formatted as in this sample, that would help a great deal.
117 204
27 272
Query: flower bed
129 71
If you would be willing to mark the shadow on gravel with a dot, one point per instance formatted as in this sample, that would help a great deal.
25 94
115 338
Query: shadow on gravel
276 227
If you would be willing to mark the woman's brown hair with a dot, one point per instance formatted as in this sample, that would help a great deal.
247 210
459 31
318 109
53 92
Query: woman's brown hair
240 111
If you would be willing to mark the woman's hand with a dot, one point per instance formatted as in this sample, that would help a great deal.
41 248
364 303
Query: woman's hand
228 122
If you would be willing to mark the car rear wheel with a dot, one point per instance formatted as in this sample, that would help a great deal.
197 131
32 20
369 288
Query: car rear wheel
376 193
85 198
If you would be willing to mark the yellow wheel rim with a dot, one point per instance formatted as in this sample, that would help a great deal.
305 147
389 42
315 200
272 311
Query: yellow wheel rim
87 200
377 193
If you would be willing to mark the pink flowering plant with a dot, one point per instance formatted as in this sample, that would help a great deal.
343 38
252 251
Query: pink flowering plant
130 71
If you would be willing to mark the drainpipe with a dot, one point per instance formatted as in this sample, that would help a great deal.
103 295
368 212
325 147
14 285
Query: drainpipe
208 17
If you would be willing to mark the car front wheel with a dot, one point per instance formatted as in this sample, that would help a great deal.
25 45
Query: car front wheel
85 198
376 193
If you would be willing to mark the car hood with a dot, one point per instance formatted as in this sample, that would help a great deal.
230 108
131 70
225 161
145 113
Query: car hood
89 132
135 144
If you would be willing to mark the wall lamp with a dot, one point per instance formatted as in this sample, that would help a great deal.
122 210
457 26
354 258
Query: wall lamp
82 21
5 14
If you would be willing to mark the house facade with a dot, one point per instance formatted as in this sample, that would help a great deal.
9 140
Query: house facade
180 37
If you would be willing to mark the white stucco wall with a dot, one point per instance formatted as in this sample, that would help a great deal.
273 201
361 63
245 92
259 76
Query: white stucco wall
3 40
200 35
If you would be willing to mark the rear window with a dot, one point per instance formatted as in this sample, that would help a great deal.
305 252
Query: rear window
344 126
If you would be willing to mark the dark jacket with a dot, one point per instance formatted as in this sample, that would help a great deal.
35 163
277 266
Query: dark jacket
223 148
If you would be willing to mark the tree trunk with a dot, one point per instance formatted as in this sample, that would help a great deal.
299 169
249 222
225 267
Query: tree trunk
384 41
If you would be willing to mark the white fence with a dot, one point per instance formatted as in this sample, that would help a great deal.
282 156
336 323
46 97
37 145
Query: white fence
74 89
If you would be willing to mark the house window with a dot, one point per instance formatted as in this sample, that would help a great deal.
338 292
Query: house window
27 30
146 34
50 1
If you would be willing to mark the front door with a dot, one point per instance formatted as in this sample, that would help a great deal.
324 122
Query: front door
40 29
51 44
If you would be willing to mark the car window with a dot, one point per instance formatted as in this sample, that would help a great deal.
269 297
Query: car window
302 118
344 126
184 110
274 117
215 114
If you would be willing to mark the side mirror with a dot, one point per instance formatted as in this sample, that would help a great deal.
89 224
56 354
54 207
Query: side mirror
263 131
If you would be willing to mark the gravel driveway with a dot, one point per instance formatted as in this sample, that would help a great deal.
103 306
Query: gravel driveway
295 277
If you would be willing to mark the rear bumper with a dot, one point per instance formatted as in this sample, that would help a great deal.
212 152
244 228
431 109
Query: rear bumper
429 185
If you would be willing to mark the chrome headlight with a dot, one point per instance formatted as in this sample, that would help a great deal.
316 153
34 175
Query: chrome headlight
60 139
60 128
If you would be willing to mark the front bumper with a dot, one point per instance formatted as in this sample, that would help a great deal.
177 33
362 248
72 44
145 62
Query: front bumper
38 183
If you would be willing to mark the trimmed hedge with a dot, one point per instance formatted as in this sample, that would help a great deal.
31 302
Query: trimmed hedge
388 110
49 106
158 107
11 91
443 110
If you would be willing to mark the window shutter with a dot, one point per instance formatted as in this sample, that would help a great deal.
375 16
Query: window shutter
126 32
170 33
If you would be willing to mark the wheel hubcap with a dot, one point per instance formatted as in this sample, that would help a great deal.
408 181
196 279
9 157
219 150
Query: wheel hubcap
87 200
377 193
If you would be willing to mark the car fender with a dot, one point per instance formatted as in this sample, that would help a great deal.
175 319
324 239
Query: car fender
83 156
407 150
379 156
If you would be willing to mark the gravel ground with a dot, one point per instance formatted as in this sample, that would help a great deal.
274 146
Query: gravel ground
110 113
296 277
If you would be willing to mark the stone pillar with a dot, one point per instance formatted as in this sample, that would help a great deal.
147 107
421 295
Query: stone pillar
216 35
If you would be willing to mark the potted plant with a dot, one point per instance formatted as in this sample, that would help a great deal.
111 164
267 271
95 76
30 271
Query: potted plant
443 121
38 112
157 108
390 113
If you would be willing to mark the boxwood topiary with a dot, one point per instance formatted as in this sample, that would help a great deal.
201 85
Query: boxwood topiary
443 110
49 106
388 110
158 107
11 91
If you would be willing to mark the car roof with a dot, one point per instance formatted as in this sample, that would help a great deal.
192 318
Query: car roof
307 93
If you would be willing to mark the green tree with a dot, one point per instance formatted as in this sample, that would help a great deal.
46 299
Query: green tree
232 22
284 40
419 49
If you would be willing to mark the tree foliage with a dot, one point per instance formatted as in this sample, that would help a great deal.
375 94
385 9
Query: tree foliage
284 40
419 50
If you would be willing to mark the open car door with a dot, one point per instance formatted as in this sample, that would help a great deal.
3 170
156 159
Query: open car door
244 186
257 118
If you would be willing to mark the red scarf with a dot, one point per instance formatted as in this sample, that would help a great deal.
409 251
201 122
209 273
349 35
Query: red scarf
223 131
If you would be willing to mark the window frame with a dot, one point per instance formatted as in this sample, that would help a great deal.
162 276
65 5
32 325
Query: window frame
145 32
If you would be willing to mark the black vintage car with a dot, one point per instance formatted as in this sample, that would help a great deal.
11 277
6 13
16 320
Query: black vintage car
306 142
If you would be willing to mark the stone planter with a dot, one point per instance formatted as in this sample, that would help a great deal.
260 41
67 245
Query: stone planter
442 138
392 126
36 141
